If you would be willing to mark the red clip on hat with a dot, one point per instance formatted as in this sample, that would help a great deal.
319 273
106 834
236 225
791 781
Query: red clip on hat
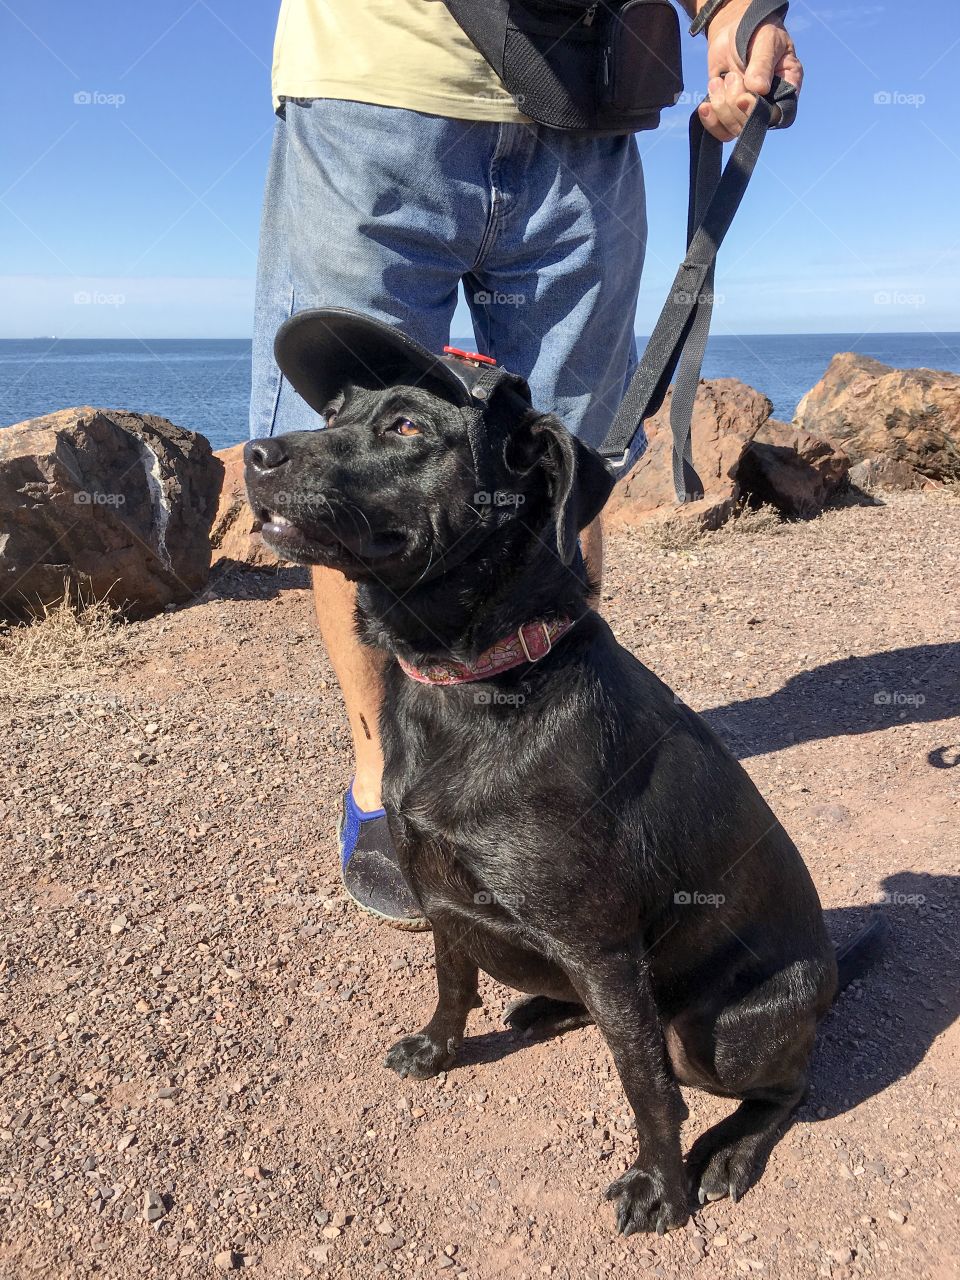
475 356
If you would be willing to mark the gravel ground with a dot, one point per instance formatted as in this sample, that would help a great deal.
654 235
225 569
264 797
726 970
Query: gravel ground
194 1018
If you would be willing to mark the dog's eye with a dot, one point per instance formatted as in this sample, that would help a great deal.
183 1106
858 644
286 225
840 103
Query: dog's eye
404 427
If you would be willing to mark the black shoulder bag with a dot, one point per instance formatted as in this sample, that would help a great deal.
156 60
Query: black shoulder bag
592 68
612 68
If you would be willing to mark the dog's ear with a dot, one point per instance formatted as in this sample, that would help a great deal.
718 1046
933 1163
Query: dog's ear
579 480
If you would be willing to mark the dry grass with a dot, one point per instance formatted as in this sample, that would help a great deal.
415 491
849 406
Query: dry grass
60 646
682 534
751 521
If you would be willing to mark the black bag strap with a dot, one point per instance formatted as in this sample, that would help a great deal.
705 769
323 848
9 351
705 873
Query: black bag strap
679 338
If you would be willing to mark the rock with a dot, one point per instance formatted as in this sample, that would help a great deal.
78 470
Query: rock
791 470
228 1260
235 534
889 473
726 415
906 416
741 453
153 1206
106 503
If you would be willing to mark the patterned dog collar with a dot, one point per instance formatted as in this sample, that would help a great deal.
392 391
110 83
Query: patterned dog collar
529 643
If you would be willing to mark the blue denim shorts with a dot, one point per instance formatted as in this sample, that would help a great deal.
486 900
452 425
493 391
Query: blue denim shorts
387 211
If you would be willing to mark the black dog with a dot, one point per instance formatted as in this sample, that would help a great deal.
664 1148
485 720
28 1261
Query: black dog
569 826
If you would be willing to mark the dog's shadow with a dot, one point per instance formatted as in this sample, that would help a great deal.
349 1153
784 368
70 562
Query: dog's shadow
881 1027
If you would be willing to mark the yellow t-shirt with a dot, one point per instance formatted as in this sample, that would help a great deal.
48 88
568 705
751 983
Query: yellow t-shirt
397 53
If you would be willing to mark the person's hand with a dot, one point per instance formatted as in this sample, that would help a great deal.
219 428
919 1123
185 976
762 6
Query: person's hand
733 88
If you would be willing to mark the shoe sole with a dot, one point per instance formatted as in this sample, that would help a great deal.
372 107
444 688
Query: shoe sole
421 925
418 924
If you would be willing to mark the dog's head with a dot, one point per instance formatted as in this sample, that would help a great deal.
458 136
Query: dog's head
412 471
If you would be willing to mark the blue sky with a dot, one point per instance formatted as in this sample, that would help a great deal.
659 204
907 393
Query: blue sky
145 197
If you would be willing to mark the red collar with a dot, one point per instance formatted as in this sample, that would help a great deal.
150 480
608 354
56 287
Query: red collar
529 643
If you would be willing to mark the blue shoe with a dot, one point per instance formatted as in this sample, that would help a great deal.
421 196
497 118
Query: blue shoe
368 865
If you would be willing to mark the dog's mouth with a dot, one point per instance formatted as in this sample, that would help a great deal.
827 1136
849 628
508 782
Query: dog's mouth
322 544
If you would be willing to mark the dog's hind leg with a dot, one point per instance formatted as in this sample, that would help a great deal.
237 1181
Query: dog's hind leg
726 1159
542 1016
433 1049
762 1056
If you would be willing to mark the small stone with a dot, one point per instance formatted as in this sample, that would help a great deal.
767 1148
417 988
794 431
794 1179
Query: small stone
896 1216
228 1260
118 924
126 1140
330 1233
153 1206
450 1250
843 1257
339 1219
396 1242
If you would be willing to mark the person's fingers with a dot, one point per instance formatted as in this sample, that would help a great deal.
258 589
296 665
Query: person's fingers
730 102
790 68
712 124
766 49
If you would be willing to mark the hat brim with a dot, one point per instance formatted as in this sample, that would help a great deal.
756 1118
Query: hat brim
322 351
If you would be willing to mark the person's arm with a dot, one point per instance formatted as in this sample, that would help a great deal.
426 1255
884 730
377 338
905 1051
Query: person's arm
732 88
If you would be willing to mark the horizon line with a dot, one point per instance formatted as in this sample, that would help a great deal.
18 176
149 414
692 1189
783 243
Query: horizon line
796 333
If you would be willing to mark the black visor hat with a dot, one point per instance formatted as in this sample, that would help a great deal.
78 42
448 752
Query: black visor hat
320 352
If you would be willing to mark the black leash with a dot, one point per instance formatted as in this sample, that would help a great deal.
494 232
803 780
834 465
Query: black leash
679 339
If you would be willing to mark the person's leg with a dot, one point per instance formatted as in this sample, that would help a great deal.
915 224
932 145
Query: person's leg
555 294
380 210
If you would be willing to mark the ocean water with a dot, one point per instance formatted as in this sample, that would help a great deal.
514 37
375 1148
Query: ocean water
204 384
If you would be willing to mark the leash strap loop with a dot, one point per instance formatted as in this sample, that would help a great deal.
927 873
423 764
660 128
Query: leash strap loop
679 339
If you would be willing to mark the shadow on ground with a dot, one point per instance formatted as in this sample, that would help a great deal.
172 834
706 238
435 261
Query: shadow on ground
233 580
915 685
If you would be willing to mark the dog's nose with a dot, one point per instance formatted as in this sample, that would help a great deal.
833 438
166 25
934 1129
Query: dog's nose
265 455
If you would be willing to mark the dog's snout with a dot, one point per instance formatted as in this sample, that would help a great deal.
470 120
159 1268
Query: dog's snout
265 455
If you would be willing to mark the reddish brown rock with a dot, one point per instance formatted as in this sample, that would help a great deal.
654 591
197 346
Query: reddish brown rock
906 416
741 453
726 415
791 470
235 534
104 503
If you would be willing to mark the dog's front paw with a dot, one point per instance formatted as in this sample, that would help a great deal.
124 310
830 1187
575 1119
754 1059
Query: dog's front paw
421 1056
648 1202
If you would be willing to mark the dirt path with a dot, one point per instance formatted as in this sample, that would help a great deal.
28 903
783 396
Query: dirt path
194 1019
